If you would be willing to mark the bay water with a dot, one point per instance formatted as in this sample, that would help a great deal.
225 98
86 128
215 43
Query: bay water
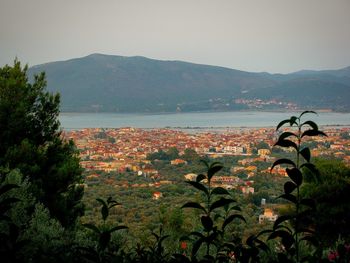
71 121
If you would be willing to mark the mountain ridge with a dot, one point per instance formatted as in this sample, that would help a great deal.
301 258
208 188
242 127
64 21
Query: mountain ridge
112 83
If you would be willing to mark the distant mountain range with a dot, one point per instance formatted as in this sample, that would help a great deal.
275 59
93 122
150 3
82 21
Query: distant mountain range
105 83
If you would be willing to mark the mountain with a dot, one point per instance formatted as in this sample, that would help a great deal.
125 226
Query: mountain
137 84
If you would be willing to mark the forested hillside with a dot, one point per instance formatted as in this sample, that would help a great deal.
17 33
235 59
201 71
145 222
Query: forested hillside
104 83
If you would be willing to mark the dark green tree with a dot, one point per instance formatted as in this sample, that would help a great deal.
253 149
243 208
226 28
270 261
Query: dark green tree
173 153
31 141
331 191
190 155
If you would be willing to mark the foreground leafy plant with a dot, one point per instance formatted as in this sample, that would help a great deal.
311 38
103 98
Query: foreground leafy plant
218 211
297 227
102 252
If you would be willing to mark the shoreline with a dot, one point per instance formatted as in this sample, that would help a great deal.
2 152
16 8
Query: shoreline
209 128
194 121
194 112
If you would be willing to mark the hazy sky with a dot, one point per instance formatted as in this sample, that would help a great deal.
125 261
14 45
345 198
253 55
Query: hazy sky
260 35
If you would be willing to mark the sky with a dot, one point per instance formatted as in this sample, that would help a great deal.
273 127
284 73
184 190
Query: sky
276 36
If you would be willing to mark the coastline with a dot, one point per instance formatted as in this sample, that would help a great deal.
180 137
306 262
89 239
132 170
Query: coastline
198 120
203 111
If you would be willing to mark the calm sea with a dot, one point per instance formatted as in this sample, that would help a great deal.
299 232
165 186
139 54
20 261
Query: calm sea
71 121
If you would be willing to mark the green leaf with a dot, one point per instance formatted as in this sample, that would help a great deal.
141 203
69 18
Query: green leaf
197 234
250 240
213 169
163 238
286 144
200 177
289 187
116 228
295 175
199 186
194 205
101 201
312 124
262 246
111 203
282 123
92 227
212 236
197 245
280 220
292 120
287 241
306 154
230 218
283 161
220 203
284 227
219 191
104 212
236 208
217 216
261 233
312 168
155 235
279 233
207 223
313 133
307 112
104 209
289 197
285 135
310 239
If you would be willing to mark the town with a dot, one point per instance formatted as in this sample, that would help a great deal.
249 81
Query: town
156 159
127 149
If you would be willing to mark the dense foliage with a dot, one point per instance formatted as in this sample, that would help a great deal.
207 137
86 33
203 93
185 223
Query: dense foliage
44 168
331 191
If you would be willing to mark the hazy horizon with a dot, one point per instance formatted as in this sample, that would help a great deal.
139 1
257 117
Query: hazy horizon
258 36
181 61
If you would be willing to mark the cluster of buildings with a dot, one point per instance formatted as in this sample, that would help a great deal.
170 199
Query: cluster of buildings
123 149
262 104
127 149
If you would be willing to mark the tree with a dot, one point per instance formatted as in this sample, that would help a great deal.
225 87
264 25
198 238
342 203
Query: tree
173 153
262 145
31 142
331 191
190 155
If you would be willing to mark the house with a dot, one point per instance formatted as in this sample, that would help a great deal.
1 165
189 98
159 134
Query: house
264 152
156 195
267 216
247 190
191 177
178 161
